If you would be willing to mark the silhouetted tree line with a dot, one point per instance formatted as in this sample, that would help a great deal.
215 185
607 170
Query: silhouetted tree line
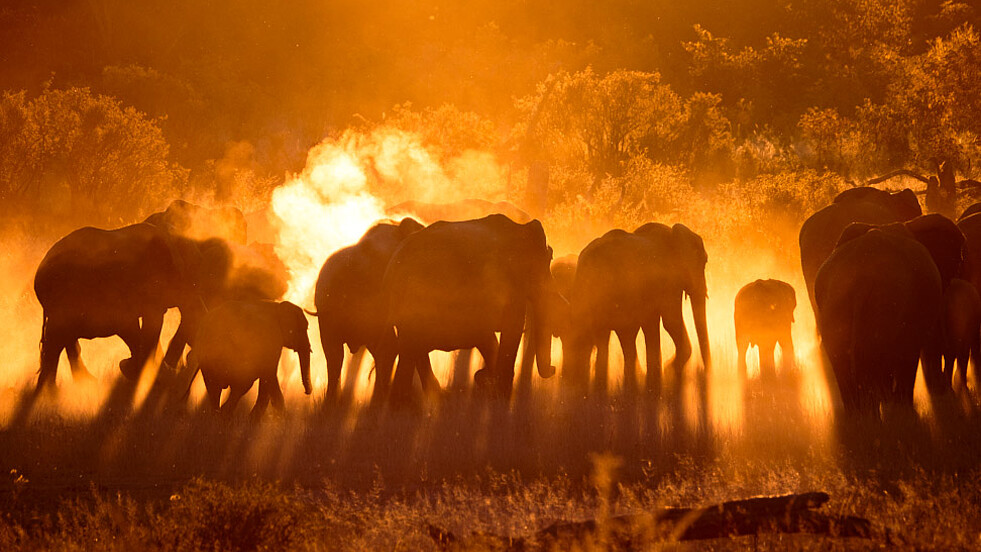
228 95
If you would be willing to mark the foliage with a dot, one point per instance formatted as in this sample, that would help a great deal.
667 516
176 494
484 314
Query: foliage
600 121
75 154
446 127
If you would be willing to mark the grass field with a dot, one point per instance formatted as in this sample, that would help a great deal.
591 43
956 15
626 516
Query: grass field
319 477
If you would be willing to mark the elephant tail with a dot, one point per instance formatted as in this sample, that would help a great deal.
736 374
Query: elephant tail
44 327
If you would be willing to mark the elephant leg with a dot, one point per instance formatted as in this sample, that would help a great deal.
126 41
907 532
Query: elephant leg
975 359
79 372
507 352
334 353
175 349
768 371
261 401
352 372
652 340
235 394
214 390
384 355
430 385
602 370
132 335
674 324
628 343
789 360
461 368
932 358
51 346
742 347
401 392
527 363
150 329
483 380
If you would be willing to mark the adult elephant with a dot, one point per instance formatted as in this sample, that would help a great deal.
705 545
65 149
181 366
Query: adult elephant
99 283
879 301
627 282
453 285
183 218
684 250
820 232
350 305
465 209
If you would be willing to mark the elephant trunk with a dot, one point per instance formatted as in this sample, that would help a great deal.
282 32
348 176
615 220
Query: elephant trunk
305 370
701 327
541 335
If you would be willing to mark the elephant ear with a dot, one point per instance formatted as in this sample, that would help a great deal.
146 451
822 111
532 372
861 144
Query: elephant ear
944 240
852 231
906 205
688 244
409 225
293 325
655 230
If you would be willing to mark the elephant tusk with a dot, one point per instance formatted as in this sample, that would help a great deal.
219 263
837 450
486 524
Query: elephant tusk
311 313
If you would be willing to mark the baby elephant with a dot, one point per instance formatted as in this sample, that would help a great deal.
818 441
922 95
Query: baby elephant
764 314
240 342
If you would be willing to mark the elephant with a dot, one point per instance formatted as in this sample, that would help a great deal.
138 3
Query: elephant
961 329
763 316
686 251
465 209
879 300
350 306
626 282
820 232
98 283
453 285
186 219
240 342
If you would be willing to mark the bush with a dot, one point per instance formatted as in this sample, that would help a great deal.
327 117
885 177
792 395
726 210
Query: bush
69 154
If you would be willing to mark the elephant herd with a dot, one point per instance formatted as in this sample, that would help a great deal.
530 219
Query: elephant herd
889 287
892 289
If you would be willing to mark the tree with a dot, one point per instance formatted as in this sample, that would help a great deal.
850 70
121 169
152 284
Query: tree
69 153
601 121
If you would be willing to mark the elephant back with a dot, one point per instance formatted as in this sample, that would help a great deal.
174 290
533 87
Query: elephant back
131 267
494 253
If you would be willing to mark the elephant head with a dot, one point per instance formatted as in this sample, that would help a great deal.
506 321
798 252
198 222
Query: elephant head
293 325
902 203
945 242
686 250
409 225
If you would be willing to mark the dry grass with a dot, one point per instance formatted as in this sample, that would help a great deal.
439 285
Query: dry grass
365 479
